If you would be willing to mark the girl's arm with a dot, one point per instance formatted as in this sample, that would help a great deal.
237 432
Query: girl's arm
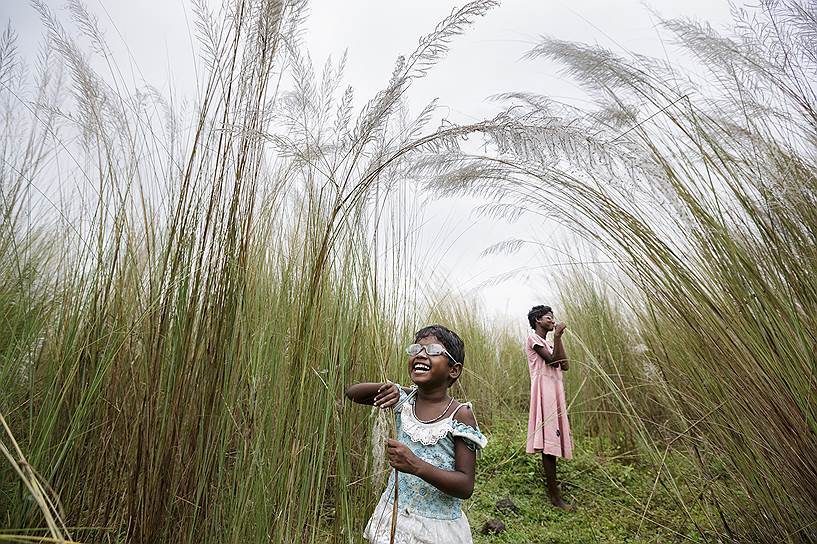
382 395
557 358
458 482
546 355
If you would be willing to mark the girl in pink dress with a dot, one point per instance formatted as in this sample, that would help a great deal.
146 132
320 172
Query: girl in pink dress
548 429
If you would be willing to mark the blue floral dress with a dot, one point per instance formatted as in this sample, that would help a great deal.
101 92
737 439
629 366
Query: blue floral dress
426 515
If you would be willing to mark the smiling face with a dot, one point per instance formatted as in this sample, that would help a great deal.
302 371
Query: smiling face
431 370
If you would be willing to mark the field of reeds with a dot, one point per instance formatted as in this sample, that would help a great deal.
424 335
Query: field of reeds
185 291
700 189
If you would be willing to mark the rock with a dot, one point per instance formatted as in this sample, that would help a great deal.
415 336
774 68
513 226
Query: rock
506 506
493 527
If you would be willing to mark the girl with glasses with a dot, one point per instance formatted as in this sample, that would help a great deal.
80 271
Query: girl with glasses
435 451
548 428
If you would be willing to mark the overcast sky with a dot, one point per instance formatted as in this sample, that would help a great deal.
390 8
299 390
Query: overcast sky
153 37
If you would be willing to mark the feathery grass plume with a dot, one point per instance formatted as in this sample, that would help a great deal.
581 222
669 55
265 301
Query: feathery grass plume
188 322
705 196
8 55
380 432
363 156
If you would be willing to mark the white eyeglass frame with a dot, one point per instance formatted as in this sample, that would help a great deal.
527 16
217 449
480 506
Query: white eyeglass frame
424 346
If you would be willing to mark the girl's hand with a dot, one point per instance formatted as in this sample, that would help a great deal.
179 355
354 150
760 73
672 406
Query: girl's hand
387 395
401 457
559 329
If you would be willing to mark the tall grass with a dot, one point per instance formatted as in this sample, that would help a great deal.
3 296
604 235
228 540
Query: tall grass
495 375
180 336
702 189
611 364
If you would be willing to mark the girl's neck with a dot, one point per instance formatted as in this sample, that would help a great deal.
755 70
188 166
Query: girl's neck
436 393
541 332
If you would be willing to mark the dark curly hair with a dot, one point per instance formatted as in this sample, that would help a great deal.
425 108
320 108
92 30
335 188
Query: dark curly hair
536 312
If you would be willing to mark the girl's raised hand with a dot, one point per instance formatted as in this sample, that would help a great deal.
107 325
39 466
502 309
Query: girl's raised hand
559 329
401 457
387 395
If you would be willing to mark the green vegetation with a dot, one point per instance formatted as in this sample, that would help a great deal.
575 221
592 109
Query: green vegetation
617 496
700 192
179 337
184 296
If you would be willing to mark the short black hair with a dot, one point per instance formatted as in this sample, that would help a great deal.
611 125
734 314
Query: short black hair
536 312
450 340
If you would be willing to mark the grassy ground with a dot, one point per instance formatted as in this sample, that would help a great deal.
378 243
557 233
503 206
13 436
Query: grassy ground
609 488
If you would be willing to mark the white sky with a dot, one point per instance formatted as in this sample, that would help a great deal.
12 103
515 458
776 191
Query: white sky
153 38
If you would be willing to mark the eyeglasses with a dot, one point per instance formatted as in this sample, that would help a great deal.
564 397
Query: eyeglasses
431 350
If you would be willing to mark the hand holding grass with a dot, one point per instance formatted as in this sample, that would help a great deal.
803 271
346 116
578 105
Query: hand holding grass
401 457
559 329
381 394
387 396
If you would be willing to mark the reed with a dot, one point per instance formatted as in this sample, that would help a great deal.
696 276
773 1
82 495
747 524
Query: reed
702 191
186 317
606 349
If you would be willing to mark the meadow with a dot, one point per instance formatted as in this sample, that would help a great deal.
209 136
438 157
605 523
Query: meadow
186 291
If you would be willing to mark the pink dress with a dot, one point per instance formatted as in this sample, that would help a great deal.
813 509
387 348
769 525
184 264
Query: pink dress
548 429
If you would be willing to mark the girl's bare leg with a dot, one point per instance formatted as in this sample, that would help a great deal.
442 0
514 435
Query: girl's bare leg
549 464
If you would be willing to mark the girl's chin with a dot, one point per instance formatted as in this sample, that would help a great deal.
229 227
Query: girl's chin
420 379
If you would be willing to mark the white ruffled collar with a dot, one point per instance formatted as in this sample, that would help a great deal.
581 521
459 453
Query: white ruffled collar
427 434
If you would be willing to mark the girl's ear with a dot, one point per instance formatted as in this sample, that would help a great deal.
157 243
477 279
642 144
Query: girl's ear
455 371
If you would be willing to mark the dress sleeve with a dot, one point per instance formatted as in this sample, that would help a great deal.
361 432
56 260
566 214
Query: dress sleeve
472 437
536 340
